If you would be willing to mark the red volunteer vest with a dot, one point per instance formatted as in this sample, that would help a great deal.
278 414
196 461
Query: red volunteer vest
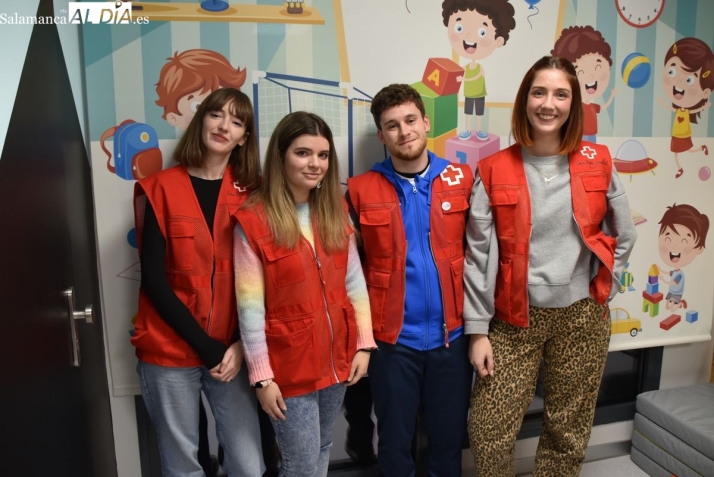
199 267
310 325
504 179
381 226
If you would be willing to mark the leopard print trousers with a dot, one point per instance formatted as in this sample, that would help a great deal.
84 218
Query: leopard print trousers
573 342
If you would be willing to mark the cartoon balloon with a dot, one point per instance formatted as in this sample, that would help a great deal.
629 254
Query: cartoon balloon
531 3
705 173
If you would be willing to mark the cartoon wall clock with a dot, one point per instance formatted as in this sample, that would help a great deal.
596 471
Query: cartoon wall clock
640 13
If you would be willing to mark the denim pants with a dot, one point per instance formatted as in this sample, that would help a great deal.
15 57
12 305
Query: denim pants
171 396
305 436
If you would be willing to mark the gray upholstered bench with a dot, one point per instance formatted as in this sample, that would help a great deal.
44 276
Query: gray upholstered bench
674 432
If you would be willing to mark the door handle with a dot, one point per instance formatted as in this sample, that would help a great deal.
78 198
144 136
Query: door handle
87 315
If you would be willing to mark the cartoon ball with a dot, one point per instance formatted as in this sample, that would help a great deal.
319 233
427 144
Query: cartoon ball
705 173
636 70
131 238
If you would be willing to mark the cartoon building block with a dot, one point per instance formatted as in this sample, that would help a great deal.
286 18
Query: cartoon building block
652 288
653 298
627 279
692 316
652 280
442 110
471 150
653 271
669 322
652 308
438 144
440 76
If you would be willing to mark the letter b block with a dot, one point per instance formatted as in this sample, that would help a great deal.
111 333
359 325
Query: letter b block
440 76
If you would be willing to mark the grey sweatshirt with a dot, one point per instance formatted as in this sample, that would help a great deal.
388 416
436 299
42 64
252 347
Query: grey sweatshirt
560 265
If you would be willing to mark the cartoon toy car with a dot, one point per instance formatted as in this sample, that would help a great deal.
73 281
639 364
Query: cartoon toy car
623 323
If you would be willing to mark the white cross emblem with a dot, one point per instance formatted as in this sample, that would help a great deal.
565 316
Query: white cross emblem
238 186
588 152
452 175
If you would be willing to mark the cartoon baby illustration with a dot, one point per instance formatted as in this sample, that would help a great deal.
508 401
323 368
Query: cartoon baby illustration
476 28
682 235
688 82
589 53
188 78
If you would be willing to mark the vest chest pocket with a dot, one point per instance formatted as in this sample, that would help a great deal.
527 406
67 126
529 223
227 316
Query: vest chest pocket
284 265
376 230
596 192
453 210
180 244
503 203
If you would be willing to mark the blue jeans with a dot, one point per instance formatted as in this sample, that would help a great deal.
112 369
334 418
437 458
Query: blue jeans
305 436
171 396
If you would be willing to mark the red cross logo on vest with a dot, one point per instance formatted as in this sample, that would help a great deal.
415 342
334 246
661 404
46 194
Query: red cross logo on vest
238 186
588 152
451 175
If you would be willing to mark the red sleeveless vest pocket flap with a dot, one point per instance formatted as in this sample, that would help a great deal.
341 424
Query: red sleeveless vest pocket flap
454 204
596 183
377 279
181 228
275 252
294 343
504 197
380 216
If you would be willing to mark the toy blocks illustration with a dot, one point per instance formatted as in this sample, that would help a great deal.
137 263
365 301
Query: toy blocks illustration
627 279
652 308
471 150
653 274
443 111
669 322
440 76
652 288
438 144
653 298
692 316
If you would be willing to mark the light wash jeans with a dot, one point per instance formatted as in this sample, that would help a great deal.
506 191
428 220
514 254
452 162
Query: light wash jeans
305 436
171 396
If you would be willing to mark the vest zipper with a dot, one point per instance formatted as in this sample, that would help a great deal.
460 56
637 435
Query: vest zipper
327 312
213 279
443 308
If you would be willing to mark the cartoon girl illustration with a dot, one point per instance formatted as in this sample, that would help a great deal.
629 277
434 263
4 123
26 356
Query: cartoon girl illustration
688 84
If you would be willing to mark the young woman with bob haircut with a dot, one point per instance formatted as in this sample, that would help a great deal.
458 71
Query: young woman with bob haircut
186 331
548 238
303 304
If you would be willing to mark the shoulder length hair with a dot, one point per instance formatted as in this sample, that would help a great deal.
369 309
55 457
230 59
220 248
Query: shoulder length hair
571 133
245 159
326 203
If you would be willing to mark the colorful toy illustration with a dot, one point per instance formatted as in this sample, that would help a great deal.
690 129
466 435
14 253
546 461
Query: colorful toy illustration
589 53
188 78
627 279
621 322
651 297
636 70
688 82
631 158
669 322
682 235
476 28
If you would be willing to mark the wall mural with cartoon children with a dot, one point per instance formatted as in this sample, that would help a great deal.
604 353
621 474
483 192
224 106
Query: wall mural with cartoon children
646 82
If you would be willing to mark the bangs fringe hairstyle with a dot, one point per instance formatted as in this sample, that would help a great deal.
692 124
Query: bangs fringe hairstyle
571 133
327 210
245 159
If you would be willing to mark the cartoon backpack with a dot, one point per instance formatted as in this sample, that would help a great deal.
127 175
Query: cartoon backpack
136 150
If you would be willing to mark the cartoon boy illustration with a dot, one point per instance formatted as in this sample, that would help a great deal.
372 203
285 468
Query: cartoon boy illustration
188 78
476 28
682 235
688 82
589 53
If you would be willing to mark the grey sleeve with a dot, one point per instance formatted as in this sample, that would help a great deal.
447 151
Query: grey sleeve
618 224
480 263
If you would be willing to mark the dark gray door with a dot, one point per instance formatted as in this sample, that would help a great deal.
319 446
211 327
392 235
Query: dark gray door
56 417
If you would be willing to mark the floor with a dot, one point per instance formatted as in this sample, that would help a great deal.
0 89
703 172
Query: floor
620 466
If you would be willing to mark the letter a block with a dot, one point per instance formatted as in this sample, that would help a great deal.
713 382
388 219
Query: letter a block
669 322
440 76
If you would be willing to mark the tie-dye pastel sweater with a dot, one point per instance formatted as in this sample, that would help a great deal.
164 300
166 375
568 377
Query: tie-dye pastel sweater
250 294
